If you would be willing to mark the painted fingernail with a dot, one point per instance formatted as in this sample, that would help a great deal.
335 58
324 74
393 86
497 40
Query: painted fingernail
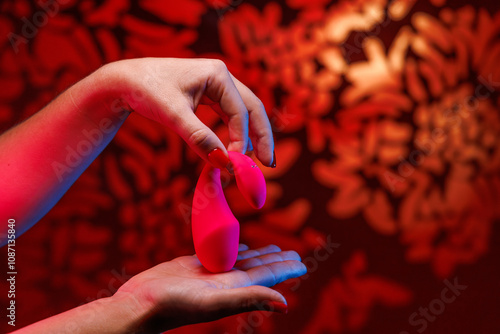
218 158
273 165
277 307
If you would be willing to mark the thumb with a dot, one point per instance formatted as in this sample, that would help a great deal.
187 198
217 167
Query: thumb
201 139
228 302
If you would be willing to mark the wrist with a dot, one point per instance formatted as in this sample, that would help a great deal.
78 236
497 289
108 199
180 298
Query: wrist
100 97
131 314
116 314
133 85
140 311
119 82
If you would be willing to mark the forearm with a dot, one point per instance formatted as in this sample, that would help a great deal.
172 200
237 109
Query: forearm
43 156
116 314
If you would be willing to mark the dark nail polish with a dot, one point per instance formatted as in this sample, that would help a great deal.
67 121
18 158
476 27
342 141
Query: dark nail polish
273 165
217 158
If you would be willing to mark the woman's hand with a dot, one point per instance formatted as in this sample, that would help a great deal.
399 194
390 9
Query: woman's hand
181 291
169 90
47 153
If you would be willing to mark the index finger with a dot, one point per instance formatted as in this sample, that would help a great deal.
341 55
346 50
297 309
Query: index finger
260 128
221 88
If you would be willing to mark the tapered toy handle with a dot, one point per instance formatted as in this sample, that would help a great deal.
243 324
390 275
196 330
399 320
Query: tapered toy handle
216 231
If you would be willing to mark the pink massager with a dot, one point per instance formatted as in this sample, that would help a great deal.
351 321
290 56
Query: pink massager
216 232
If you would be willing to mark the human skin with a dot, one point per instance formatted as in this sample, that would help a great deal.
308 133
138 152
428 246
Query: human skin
182 292
46 153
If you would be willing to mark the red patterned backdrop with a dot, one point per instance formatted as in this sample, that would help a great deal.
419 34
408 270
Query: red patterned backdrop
387 124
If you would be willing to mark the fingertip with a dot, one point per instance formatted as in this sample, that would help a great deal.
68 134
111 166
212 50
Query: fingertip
273 248
276 303
202 139
298 268
242 247
303 268
277 307
218 158
291 255
266 155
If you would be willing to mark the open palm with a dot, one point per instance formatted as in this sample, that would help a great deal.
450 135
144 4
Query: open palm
181 291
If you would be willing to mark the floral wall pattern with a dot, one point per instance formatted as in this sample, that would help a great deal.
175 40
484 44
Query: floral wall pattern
387 128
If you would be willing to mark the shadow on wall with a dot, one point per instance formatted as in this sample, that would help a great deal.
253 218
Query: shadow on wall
386 123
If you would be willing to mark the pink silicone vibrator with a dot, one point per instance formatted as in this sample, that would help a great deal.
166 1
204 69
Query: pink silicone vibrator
216 232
